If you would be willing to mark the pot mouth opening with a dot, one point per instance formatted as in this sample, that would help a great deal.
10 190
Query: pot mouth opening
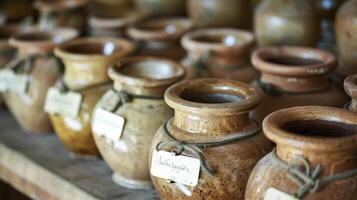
292 61
35 37
208 96
105 48
7 32
168 26
226 40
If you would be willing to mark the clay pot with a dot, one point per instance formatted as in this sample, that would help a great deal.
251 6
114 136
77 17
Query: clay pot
62 13
319 135
220 53
160 8
86 63
346 35
213 110
112 6
351 89
222 13
161 37
295 76
286 22
144 79
44 71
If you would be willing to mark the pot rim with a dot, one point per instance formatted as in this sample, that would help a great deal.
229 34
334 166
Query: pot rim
350 85
58 5
115 74
126 47
327 61
273 123
251 97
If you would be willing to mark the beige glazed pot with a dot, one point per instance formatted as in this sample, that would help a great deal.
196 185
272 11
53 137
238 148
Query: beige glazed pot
316 147
219 53
86 63
136 96
350 85
295 76
34 59
211 121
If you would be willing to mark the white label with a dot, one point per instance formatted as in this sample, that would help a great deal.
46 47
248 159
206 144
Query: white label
275 194
108 124
10 81
180 169
65 104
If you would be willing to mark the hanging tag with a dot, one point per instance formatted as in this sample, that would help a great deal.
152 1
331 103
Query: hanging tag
180 169
10 81
65 104
108 124
275 194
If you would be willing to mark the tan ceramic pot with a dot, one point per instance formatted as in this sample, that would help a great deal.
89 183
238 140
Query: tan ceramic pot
62 13
295 76
350 85
161 37
315 135
286 22
346 35
144 79
86 63
161 8
208 110
44 71
222 13
220 53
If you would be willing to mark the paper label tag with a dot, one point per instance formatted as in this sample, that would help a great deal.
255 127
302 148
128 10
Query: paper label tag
65 104
108 124
275 194
180 169
10 81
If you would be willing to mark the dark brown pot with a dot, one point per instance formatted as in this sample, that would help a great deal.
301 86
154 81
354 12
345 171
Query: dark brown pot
295 76
211 110
316 135
161 8
351 89
286 22
222 13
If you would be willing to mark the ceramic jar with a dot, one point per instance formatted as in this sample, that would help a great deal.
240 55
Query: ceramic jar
207 111
220 53
86 63
222 13
286 22
34 59
161 8
161 37
137 96
350 85
295 76
312 144
346 35
64 13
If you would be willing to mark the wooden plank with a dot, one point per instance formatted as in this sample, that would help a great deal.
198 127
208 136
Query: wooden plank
41 168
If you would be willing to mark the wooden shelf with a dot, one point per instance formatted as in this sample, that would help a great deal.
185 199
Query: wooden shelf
41 168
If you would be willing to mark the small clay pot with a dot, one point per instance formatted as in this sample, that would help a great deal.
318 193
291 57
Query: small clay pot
144 80
316 135
350 85
44 71
86 63
346 35
220 53
213 110
287 22
295 76
161 37
162 8
222 13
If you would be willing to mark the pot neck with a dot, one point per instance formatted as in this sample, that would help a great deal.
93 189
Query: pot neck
139 90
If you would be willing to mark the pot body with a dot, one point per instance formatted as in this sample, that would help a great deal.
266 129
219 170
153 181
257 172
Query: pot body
159 8
292 22
223 13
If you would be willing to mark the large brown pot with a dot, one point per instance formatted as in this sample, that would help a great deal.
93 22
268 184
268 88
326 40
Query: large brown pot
286 22
137 96
295 76
160 8
346 35
312 144
350 85
86 63
219 53
222 13
34 53
209 110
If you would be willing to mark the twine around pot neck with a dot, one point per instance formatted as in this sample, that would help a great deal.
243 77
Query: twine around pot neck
197 148
306 177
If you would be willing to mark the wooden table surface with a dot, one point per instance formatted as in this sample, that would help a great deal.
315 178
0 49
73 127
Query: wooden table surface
41 168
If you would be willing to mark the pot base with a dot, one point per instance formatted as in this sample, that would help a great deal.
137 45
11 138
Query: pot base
130 183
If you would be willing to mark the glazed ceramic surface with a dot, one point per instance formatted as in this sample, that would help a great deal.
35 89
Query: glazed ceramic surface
209 110
350 85
160 8
308 137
